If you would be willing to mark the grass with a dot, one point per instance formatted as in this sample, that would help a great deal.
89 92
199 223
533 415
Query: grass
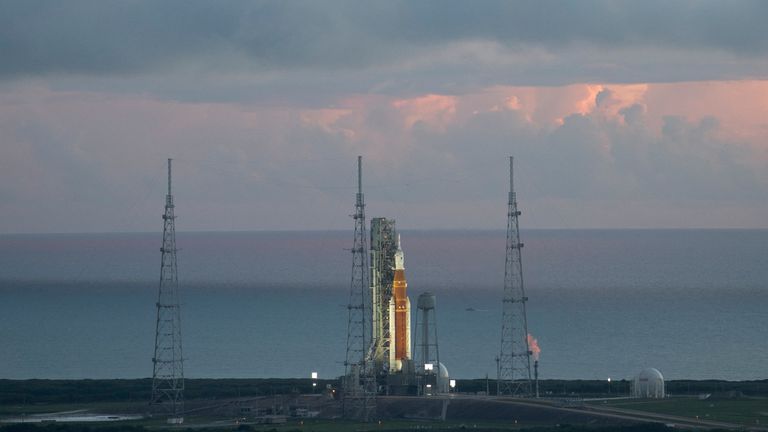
752 411
293 425
320 425
223 422
44 408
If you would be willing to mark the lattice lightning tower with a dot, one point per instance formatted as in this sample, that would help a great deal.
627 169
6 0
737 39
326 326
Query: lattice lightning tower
359 387
168 373
514 362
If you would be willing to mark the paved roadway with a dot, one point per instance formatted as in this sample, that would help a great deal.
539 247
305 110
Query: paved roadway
624 414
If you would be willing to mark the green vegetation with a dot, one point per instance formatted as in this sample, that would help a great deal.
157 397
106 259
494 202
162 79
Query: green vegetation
691 387
41 408
734 402
751 412
24 392
338 426
602 388
410 426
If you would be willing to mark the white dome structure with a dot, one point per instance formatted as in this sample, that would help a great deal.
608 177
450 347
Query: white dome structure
649 384
435 380
444 379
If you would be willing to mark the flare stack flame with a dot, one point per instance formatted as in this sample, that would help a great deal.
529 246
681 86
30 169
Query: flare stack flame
533 347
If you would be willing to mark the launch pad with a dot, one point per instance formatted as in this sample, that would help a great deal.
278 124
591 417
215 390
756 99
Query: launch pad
380 358
398 371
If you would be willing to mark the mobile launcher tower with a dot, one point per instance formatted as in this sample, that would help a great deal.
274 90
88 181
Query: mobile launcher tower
383 248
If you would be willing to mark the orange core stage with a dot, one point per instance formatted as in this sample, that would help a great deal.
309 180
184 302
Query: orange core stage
399 286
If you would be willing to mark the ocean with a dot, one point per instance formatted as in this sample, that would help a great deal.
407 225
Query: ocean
602 303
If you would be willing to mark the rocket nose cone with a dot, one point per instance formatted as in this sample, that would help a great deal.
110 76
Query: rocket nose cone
399 256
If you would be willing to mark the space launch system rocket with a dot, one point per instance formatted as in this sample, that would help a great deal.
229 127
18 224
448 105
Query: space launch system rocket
399 315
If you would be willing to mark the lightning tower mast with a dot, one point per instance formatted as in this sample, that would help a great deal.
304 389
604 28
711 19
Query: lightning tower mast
514 367
359 387
168 371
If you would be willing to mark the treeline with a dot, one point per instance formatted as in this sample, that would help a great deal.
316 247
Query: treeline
135 390
434 427
600 388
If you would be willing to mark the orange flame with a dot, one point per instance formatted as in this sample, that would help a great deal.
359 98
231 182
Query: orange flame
533 346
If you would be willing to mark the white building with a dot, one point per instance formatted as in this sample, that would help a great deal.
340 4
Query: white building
649 384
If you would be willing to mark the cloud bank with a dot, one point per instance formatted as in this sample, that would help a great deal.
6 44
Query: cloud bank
620 114
546 42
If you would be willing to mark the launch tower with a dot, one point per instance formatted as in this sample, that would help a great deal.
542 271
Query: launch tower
168 371
383 248
514 367
359 385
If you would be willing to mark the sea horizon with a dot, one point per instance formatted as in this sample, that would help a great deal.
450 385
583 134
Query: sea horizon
340 230
602 303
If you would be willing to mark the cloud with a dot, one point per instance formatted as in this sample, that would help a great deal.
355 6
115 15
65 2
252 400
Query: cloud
431 111
412 42
586 154
619 113
620 148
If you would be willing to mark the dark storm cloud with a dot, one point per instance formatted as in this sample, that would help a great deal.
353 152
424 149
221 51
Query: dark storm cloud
125 37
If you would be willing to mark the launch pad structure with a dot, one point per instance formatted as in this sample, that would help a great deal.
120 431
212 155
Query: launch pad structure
168 363
359 382
431 375
379 358
379 347
390 352
383 248
514 361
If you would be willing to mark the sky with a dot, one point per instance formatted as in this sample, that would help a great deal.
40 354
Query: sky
620 114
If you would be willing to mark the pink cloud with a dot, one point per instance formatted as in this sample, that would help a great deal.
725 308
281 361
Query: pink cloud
118 136
548 106
434 110
741 107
